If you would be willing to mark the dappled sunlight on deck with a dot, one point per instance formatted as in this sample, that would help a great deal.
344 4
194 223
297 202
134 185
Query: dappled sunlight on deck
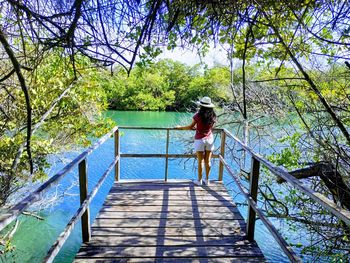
168 221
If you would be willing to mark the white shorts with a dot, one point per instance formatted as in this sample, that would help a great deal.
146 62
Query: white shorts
205 144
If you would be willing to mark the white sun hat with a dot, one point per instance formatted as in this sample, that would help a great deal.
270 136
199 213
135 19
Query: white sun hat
205 102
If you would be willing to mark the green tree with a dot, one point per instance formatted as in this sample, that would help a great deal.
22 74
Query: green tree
66 112
166 85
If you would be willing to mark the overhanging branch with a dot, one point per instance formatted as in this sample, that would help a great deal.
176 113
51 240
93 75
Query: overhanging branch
17 68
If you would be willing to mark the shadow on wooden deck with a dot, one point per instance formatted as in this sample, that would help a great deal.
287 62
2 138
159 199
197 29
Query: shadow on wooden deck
176 221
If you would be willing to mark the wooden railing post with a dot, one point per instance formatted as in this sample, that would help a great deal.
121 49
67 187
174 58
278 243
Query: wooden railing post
222 153
83 185
166 153
253 191
116 153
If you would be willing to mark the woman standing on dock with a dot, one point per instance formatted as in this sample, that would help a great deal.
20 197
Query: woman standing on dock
203 121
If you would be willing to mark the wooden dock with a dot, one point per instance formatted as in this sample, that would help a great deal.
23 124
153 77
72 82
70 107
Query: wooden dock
159 221
175 221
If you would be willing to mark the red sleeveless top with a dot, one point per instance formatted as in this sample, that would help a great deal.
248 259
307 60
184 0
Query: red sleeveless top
202 130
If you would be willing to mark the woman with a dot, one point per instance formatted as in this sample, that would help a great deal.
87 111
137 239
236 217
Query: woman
204 121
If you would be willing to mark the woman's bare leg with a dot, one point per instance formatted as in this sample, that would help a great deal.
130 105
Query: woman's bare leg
207 162
200 158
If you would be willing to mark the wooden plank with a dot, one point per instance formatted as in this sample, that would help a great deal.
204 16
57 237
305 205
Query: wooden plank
222 231
175 260
150 202
139 197
168 215
169 196
156 192
151 192
171 182
213 223
169 251
161 240
159 208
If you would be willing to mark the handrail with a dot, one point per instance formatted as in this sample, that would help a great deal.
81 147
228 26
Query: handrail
70 226
17 209
251 197
280 240
158 128
161 155
167 155
326 203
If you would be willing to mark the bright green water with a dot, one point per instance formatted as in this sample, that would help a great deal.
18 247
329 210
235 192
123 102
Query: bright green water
34 237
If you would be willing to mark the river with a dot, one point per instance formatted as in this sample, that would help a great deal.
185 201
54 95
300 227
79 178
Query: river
34 237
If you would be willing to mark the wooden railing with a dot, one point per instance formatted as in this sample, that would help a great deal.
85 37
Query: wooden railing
85 199
250 196
167 155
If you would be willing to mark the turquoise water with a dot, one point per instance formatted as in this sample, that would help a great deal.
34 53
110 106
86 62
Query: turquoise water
34 237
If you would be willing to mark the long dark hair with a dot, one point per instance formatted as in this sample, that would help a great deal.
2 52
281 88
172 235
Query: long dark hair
207 115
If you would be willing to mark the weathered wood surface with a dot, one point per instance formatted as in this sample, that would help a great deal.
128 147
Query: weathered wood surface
153 221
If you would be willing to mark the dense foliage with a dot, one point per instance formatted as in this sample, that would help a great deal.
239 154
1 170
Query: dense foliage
166 85
65 112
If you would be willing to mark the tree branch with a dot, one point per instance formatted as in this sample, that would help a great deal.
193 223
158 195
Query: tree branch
40 122
275 79
7 75
323 101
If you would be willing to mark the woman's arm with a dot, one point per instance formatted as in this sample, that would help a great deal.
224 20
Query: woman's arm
188 127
